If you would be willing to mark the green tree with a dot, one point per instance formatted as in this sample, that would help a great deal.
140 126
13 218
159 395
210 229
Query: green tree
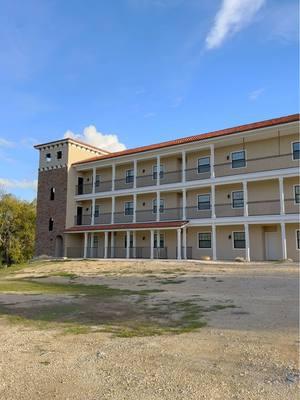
17 229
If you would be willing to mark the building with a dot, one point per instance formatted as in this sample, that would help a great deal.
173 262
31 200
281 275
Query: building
225 194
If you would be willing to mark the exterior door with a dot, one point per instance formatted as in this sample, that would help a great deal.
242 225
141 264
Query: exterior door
80 185
273 250
79 216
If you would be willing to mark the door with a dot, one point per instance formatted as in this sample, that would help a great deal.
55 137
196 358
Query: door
58 246
79 216
273 250
80 185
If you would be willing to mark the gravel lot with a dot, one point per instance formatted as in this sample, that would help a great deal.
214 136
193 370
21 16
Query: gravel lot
247 351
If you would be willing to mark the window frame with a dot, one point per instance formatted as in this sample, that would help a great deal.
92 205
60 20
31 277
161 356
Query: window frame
233 240
161 173
50 224
97 180
297 244
130 240
131 208
153 206
295 196
232 202
59 155
203 194
292 145
161 235
209 164
48 157
97 211
52 194
205 233
127 176
245 159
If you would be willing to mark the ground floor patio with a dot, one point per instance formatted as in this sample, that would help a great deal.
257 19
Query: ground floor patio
252 242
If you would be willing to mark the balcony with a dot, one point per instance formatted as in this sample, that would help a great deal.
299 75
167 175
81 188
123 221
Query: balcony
121 218
82 220
226 210
104 218
195 213
103 186
171 177
145 180
84 189
145 215
264 207
194 174
291 207
171 214
124 183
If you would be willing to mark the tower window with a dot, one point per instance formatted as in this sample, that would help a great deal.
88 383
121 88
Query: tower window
48 157
52 193
51 223
59 155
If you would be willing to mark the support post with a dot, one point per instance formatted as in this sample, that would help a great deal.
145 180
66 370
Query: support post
214 241
92 245
134 243
179 244
281 194
93 211
152 244
94 180
113 206
157 206
184 204
134 173
247 243
245 195
127 244
183 156
212 161
113 177
283 241
158 170
105 244
85 244
213 201
184 243
112 244
134 208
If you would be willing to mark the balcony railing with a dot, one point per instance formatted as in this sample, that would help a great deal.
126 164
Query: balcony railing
105 186
193 174
120 217
84 188
264 207
195 213
145 215
226 210
145 180
291 207
82 219
104 218
170 214
171 177
123 184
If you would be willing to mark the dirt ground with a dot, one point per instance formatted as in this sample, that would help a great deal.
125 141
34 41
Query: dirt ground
132 330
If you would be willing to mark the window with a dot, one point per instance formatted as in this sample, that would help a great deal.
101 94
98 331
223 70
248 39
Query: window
203 165
128 209
130 242
59 155
297 194
298 238
96 241
238 199
52 193
161 206
129 176
51 223
97 210
161 174
159 241
239 241
204 240
204 202
97 182
296 150
48 157
238 159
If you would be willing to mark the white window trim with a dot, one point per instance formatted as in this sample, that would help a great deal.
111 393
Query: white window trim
97 205
208 156
238 151
292 145
237 208
126 202
162 168
294 193
48 159
154 213
160 234
204 194
296 230
204 248
126 176
232 239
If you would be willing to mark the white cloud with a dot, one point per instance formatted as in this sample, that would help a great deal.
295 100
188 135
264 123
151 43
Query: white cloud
6 143
233 16
91 136
18 184
255 94
149 114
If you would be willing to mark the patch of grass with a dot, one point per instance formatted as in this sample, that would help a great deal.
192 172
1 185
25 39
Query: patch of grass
171 281
45 362
217 307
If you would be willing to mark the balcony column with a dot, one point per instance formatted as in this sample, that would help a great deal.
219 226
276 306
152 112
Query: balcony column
152 244
157 206
134 243
105 244
179 244
158 170
213 201
127 244
283 241
92 244
184 204
112 244
93 211
281 194
183 156
134 173
94 180
113 206
245 194
214 242
113 174
184 243
247 243
212 160
85 244
134 208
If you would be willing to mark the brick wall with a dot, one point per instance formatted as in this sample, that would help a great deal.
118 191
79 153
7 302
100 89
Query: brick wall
56 209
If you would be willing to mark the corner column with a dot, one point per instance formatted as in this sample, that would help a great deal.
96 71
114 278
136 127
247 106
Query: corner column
281 194
214 242
152 244
113 174
127 244
113 206
157 206
212 160
85 244
179 244
213 201
184 204
245 195
184 243
183 156
105 244
247 242
283 241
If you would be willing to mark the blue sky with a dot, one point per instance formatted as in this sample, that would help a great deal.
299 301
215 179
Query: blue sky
133 72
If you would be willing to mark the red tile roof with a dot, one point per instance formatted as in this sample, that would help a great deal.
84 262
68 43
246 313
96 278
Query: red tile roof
203 136
141 225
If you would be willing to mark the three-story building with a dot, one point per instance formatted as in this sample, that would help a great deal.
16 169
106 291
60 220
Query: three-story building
219 195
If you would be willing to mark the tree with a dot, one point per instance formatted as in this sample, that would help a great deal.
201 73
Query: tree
17 229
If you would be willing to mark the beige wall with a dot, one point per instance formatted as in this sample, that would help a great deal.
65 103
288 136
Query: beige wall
144 167
257 243
225 250
192 196
192 241
172 163
105 174
263 190
104 204
146 199
192 158
223 191
120 202
121 170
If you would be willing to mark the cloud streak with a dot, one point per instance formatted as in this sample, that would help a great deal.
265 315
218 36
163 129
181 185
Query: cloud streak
90 135
255 94
5 143
18 184
233 16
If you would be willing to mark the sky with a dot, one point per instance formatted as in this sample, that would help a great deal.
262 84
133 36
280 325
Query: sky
125 73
